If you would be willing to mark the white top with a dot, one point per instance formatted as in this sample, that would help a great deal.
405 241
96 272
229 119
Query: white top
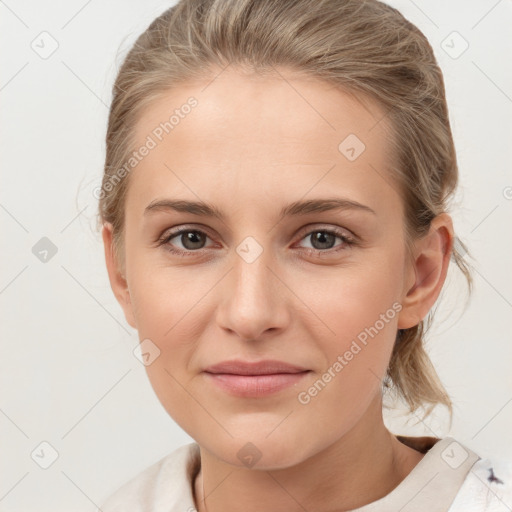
449 478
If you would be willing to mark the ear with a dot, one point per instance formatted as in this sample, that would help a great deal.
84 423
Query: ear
426 276
116 276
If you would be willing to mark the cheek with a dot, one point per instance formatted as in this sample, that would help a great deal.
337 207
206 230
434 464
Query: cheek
361 312
354 298
170 307
166 299
358 308
167 308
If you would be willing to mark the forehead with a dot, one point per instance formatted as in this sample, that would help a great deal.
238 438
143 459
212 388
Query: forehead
294 105
246 134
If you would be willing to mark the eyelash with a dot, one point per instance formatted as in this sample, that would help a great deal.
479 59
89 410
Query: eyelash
348 242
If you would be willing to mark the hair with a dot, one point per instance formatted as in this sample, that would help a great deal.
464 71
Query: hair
364 47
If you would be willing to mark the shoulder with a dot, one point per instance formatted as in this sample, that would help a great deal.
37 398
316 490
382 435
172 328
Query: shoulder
157 487
486 488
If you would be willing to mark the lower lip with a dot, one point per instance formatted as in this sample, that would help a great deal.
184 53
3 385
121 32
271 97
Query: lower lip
255 385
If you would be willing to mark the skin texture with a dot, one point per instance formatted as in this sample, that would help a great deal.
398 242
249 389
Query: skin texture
251 146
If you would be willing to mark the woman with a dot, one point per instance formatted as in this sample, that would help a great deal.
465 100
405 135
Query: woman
275 227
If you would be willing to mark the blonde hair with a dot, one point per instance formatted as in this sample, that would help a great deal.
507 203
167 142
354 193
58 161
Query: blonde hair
365 47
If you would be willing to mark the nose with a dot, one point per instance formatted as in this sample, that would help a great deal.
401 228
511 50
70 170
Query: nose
254 299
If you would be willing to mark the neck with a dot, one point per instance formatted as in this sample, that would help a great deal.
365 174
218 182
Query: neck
364 465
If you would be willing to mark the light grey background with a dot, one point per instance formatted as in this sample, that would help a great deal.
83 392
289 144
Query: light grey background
67 373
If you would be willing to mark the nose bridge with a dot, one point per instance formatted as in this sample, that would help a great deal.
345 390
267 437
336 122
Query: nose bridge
253 282
252 278
253 301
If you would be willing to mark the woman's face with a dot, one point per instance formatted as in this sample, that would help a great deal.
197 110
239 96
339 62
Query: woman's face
320 288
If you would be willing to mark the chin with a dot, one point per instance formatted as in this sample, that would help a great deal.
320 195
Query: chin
260 452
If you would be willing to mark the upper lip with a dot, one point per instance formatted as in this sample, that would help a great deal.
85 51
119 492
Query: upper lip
267 367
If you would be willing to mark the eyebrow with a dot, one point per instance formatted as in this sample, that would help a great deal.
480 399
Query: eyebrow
296 208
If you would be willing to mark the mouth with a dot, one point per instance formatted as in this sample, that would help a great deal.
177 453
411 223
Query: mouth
254 379
266 367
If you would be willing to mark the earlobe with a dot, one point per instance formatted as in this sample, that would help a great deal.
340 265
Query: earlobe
116 276
432 258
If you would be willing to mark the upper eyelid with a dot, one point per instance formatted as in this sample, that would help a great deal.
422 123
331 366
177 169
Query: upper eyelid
316 227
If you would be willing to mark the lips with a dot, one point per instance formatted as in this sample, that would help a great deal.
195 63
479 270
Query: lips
254 379
267 367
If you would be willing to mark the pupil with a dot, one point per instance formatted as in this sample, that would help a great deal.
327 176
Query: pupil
190 238
322 237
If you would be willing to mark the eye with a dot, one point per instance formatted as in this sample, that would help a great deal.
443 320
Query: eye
323 240
191 240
